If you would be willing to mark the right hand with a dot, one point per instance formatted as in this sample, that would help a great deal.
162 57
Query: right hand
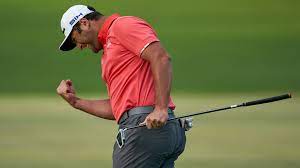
66 90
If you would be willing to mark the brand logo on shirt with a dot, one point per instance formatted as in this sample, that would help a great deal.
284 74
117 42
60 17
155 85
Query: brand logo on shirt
74 19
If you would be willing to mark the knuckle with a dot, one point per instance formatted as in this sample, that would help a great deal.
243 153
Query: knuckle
148 125
58 91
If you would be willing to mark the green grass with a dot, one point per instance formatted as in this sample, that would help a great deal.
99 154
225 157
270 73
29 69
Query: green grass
216 45
43 131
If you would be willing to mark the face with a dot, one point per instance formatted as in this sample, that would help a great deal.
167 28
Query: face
86 37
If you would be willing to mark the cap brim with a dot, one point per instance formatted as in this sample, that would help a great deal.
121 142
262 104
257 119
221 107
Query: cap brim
67 44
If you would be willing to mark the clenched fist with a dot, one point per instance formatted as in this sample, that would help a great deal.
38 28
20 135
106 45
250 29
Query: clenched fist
156 119
66 90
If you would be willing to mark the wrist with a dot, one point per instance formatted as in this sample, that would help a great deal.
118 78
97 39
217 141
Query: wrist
161 109
76 103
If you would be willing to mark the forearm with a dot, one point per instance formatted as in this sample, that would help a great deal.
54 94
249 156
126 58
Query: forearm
161 68
162 73
99 108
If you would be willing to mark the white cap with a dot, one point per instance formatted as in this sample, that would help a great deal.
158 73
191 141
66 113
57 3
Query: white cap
68 20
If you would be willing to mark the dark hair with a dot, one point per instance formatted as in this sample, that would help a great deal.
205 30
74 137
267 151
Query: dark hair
95 15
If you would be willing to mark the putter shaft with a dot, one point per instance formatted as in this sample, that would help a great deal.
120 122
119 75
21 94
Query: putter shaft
250 103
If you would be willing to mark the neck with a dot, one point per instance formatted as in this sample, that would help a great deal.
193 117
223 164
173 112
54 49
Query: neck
97 26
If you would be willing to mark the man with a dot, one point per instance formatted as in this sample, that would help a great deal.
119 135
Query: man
138 75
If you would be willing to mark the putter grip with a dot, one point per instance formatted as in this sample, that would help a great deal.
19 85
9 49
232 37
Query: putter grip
268 100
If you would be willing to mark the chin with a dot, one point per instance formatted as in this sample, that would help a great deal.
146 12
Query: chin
95 50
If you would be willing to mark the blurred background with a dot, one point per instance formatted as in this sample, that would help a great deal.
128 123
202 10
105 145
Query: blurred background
223 52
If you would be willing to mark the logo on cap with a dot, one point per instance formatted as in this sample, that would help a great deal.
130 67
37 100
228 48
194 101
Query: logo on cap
74 19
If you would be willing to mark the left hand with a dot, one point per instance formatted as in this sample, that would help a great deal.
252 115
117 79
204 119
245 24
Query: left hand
156 119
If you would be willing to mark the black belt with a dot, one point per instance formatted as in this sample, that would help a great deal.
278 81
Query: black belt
139 110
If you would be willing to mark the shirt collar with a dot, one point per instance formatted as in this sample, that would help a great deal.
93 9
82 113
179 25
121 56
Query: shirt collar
103 32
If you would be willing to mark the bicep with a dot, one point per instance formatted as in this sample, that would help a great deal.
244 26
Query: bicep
154 51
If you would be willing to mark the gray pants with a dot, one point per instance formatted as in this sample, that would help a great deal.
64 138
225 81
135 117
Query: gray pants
149 148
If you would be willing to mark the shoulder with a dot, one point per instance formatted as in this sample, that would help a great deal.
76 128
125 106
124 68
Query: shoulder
128 20
126 23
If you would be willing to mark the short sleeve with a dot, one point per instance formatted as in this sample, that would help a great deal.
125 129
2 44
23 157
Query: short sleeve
134 34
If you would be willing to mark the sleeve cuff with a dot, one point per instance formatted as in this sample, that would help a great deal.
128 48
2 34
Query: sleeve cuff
146 45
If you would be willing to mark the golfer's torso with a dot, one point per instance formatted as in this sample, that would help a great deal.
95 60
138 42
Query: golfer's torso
128 77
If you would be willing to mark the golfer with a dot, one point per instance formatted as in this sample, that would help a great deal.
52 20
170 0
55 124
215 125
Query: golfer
138 74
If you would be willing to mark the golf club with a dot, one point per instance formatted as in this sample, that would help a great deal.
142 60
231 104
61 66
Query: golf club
187 122
250 103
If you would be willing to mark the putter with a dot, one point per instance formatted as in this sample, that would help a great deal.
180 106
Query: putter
188 121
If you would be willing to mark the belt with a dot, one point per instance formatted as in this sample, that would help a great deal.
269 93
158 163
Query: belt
139 110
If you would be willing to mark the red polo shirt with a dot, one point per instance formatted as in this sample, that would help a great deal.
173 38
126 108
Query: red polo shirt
128 77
